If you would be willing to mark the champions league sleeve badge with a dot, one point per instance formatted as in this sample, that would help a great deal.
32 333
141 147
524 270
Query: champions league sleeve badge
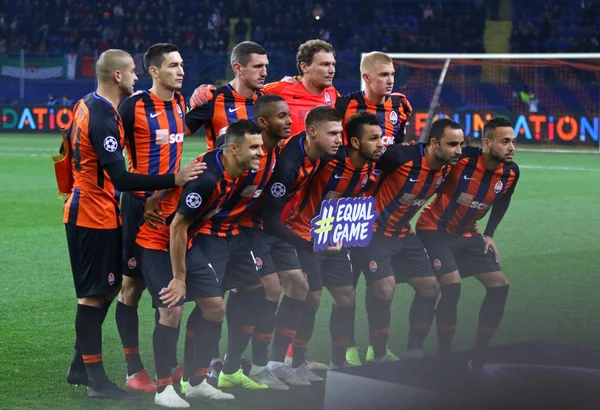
349 220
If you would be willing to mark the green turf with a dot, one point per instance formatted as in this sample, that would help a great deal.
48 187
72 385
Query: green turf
549 246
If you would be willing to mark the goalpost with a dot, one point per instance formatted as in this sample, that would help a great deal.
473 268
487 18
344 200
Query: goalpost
553 100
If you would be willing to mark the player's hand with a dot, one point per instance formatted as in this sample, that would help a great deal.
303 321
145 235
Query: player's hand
292 80
153 212
189 172
334 249
490 243
201 95
171 295
408 143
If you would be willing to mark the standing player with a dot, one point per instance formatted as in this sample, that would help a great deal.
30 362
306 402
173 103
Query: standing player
343 176
233 101
154 125
297 162
484 178
392 109
316 64
410 176
91 213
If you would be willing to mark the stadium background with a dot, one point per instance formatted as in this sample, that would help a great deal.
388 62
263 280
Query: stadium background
549 239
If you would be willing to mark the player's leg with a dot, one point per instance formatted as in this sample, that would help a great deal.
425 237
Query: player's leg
295 289
338 277
126 312
95 259
243 306
472 261
204 285
375 261
267 310
414 264
440 248
311 263
158 274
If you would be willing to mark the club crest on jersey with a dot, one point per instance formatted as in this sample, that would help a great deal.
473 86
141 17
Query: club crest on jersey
111 279
259 263
179 111
439 182
393 117
347 220
373 266
498 187
437 264
131 263
193 200
364 181
327 98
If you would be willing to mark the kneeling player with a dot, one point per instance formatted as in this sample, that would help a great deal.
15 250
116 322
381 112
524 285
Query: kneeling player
484 178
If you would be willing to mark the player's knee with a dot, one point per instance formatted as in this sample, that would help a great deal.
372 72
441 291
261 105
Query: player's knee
131 291
428 287
272 287
494 279
385 288
296 286
344 296
171 316
93 302
313 300
449 278
213 309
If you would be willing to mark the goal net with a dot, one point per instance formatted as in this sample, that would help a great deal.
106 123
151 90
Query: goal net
553 100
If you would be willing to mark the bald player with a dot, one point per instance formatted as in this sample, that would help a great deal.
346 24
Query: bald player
91 213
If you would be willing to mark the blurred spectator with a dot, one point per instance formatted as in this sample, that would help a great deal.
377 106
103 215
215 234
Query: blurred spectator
240 29
66 101
52 100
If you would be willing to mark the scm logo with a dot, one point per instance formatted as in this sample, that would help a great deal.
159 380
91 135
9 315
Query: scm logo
479 206
387 141
175 138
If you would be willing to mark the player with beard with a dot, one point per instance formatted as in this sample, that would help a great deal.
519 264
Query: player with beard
410 176
345 175
484 178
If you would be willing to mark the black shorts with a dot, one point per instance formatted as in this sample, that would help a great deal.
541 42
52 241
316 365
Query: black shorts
323 269
132 212
95 260
158 272
284 256
216 264
261 244
449 252
404 258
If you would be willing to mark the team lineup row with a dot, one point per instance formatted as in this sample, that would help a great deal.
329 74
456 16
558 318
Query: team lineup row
249 218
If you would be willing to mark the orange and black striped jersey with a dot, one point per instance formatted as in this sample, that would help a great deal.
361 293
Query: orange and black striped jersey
243 207
468 193
291 173
204 198
392 114
158 239
154 131
225 107
335 178
300 100
96 139
252 190
405 184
